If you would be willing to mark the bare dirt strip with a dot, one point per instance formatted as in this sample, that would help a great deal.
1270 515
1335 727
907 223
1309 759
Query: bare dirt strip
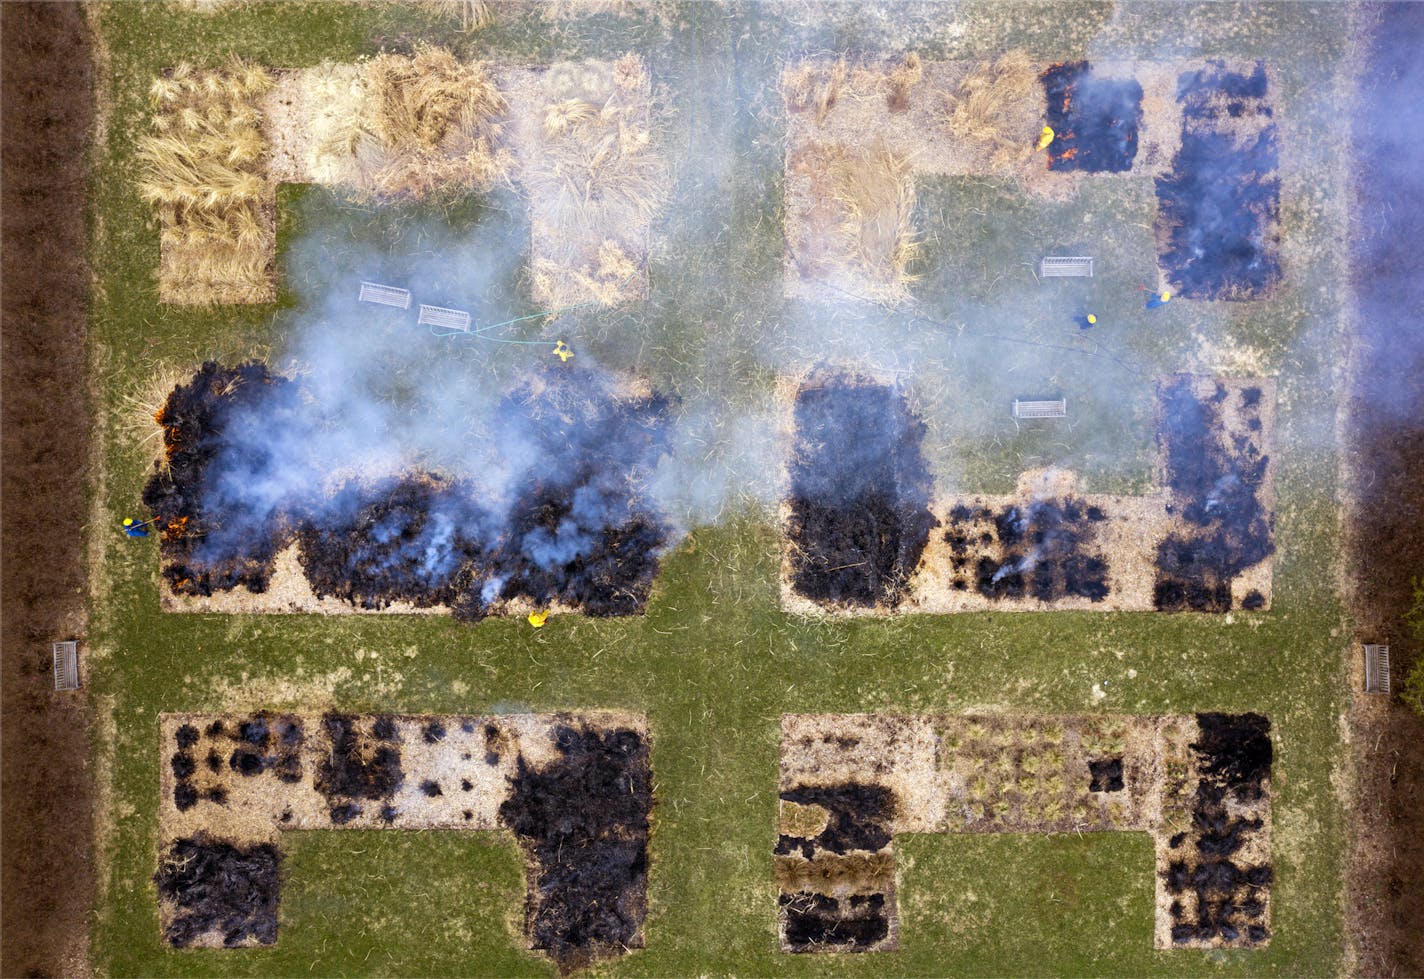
47 115
1384 447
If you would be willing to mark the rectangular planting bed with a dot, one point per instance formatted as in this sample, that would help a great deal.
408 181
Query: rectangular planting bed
850 783
575 790
1204 542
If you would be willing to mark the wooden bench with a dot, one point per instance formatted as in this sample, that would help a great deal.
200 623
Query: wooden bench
447 319
374 292
1041 409
66 665
1059 266
1376 668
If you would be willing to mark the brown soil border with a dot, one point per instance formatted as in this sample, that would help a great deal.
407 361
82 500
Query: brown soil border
48 879
1383 463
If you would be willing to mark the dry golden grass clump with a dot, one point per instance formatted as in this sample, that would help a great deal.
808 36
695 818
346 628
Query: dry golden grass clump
473 15
901 78
431 122
989 104
595 183
814 88
203 168
862 223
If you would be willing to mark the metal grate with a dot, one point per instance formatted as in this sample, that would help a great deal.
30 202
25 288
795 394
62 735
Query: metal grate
1041 409
66 665
1376 668
449 319
373 292
1065 265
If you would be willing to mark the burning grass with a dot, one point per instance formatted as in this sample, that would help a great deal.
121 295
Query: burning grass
1095 120
576 529
595 182
203 168
986 107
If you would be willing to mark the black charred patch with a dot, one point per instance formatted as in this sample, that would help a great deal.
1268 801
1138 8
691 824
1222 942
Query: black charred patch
1234 757
434 733
583 821
416 539
183 765
1105 774
219 888
185 796
1219 209
246 763
1044 549
859 814
1095 120
1222 526
1235 751
431 788
860 494
344 813
213 539
582 530
360 765
815 922
187 736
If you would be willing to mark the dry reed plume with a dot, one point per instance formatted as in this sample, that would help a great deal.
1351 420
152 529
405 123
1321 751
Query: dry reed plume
903 77
989 104
473 15
203 168
875 191
858 230
814 87
596 185
431 123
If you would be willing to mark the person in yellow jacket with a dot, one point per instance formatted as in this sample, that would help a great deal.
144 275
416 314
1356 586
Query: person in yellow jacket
1045 137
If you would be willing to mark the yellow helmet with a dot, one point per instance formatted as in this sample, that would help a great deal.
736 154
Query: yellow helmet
1092 318
1166 296
128 521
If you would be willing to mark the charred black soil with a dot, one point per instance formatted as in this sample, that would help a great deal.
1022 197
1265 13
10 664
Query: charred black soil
1218 223
583 823
1044 549
214 539
860 494
1216 894
220 889
1221 525
1095 120
414 539
364 765
814 922
577 530
858 814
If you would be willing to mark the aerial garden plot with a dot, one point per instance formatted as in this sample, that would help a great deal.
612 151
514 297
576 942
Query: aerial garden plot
592 521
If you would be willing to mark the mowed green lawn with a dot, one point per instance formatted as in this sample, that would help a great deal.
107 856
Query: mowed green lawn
714 662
